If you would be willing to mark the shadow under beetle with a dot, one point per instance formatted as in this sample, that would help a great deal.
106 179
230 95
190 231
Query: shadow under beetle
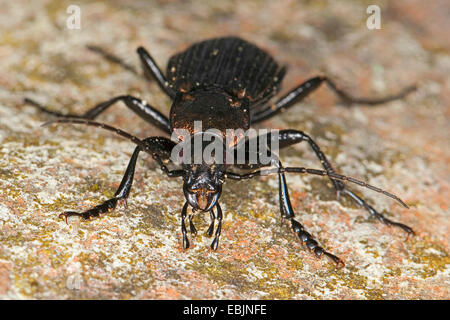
227 83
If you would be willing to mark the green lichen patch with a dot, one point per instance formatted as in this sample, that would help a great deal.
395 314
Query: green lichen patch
432 256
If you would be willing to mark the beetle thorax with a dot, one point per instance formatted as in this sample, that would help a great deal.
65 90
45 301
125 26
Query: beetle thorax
205 107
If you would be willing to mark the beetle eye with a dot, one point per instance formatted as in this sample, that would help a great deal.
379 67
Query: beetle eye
192 190
220 178
187 178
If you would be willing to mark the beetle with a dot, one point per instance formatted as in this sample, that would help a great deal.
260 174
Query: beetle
226 83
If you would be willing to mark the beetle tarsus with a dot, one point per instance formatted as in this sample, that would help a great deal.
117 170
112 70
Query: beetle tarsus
95 212
374 213
112 58
312 245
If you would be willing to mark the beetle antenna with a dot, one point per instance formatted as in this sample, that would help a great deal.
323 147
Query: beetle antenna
317 172
120 132
341 177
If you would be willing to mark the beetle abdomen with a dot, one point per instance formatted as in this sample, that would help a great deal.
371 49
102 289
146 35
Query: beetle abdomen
230 63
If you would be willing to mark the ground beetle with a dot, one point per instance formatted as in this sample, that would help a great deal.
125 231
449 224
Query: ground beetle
225 83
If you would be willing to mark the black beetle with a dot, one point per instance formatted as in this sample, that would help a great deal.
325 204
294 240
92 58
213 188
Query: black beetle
226 83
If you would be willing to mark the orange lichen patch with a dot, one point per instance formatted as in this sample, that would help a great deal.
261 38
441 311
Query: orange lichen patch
243 251
20 202
417 17
167 293
325 98
5 281
297 198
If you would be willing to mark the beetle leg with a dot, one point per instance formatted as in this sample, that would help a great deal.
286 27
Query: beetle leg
160 148
183 226
410 232
122 193
140 107
112 58
289 137
215 242
299 230
288 213
304 89
151 70
307 240
95 212
191 225
210 230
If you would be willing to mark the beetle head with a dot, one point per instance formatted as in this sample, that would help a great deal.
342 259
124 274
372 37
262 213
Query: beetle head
203 185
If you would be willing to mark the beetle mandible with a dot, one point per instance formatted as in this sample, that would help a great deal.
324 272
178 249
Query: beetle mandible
226 83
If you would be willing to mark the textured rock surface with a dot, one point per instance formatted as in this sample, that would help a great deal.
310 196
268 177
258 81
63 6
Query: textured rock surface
136 253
